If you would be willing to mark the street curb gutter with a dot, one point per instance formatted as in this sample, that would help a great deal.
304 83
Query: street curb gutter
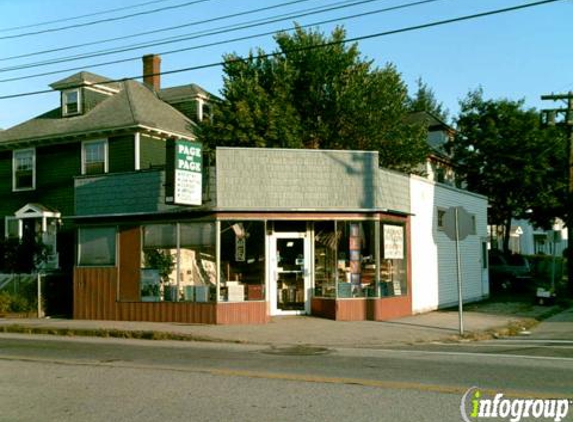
110 333
512 329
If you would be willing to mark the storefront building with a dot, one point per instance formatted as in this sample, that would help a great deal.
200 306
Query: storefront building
276 232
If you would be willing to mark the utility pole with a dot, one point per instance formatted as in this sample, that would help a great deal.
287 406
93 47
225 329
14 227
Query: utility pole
552 117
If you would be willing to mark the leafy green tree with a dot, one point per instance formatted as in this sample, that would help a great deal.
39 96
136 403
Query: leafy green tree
424 99
502 152
304 96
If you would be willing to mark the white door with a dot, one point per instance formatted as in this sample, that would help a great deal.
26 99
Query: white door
290 274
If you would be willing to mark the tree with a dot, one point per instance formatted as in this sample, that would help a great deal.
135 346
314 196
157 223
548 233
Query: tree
314 91
425 100
503 153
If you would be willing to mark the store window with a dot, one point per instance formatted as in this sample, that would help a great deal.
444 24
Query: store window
97 246
24 169
197 262
325 246
178 263
393 277
95 157
242 261
356 259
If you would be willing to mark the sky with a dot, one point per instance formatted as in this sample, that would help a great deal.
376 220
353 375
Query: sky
522 54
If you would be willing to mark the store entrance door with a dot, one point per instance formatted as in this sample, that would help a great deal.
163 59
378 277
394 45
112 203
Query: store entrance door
290 275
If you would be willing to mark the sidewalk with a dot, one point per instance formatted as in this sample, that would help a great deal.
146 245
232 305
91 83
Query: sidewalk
479 323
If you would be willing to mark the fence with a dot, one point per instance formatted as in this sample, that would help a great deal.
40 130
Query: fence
19 294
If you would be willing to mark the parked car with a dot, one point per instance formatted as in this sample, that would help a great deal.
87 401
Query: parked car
509 272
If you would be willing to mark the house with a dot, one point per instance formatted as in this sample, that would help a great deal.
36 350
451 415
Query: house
161 233
438 166
99 127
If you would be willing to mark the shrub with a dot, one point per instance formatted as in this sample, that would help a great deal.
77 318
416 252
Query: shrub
5 302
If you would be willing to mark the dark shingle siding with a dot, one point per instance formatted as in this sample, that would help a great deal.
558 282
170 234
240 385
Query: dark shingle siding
91 99
152 152
121 154
55 168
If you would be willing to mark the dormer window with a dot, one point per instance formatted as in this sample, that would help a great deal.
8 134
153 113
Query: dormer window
71 102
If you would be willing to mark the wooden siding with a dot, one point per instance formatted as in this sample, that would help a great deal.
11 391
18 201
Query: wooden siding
152 152
391 308
322 307
95 291
242 313
95 297
129 263
435 269
352 309
362 309
122 154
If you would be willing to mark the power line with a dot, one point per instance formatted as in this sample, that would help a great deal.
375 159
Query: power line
155 31
72 18
205 33
80 25
312 47
217 43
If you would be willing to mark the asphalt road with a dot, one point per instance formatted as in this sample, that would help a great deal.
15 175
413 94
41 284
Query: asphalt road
70 379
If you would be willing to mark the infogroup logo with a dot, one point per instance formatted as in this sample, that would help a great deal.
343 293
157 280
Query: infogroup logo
475 406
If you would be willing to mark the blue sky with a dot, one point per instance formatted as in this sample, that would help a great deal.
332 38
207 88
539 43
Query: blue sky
520 54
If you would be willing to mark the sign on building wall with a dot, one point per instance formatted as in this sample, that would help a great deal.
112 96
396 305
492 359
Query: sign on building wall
184 184
393 242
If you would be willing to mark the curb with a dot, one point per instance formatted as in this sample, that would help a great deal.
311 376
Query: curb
110 333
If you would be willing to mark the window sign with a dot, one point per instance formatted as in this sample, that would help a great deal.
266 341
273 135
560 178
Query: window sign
185 172
240 249
393 242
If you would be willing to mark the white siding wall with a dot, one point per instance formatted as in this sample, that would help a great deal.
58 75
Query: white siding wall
434 276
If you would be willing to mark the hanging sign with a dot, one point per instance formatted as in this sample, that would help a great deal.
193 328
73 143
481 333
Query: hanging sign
240 249
184 184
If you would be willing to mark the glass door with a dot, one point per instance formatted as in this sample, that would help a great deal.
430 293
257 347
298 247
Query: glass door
290 274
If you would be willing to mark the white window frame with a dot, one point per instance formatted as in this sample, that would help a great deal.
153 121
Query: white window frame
65 111
115 252
106 154
14 165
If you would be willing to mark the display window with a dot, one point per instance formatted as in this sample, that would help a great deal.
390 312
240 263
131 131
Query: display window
242 261
178 263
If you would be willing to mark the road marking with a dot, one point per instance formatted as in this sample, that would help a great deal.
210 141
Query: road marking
466 354
532 340
309 378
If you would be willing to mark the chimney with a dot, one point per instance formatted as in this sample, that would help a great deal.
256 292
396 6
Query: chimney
151 70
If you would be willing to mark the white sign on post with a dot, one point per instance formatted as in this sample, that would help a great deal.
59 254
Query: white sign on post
464 223
458 224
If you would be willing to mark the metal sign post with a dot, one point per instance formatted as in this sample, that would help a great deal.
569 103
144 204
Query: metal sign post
458 225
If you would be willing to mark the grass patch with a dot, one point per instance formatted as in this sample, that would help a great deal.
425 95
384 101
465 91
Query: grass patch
106 333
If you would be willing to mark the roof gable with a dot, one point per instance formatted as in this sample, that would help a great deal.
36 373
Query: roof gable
133 106
82 79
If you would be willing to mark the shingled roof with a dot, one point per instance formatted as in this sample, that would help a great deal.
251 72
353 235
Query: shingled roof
183 92
84 78
134 106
